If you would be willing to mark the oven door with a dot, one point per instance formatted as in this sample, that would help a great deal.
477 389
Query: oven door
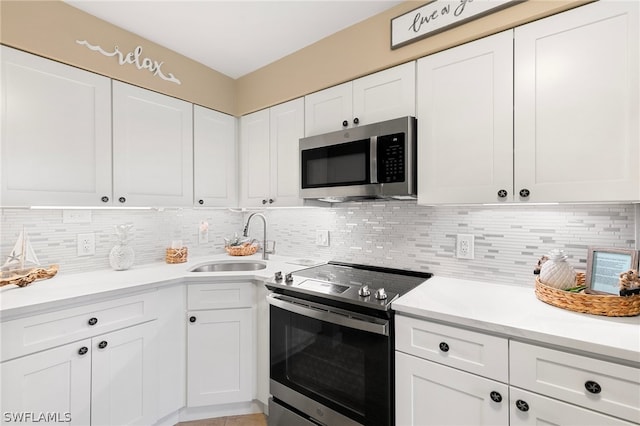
330 365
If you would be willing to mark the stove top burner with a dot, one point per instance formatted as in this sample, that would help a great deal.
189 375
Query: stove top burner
350 284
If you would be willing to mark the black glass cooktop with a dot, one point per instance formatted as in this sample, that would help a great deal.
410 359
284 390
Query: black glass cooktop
341 282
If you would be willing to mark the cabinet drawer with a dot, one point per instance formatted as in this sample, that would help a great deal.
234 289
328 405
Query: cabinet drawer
467 350
594 384
541 410
220 295
39 332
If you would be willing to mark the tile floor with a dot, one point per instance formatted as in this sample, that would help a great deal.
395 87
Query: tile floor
247 420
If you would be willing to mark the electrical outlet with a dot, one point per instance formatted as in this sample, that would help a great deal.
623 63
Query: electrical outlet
87 244
464 246
322 238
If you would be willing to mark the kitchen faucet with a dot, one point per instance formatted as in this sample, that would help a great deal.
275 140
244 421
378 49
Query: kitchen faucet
265 253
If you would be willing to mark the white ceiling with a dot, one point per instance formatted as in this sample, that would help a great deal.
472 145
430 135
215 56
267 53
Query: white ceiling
233 37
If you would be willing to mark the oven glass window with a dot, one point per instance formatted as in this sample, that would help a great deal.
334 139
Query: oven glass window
336 165
345 369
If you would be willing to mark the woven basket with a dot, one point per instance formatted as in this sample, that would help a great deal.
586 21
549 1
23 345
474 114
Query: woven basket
243 250
176 255
595 304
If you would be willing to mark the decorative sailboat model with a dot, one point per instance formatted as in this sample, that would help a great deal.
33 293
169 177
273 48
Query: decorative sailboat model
22 266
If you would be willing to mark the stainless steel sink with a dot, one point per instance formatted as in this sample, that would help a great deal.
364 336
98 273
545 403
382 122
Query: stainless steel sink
226 265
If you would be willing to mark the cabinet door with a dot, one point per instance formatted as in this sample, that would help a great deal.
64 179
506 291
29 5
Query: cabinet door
219 356
429 394
530 409
385 95
286 129
171 343
214 158
465 110
262 345
255 163
53 382
56 133
576 105
152 148
326 110
123 376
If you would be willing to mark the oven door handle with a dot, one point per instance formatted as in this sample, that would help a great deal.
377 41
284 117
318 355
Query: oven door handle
319 312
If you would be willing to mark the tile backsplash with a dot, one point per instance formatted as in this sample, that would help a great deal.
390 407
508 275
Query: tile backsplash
399 234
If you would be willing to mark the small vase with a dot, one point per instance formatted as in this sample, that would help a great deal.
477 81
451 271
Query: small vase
557 272
121 257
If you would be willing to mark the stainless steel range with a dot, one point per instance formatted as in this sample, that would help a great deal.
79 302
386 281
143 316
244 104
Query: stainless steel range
331 344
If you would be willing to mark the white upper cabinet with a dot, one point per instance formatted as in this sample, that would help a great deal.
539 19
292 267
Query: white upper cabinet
568 132
152 148
56 133
254 159
464 111
285 129
576 105
215 158
269 155
377 97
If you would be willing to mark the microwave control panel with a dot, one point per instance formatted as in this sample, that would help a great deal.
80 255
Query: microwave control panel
391 158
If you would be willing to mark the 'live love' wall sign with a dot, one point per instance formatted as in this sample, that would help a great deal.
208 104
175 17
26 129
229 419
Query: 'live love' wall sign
437 16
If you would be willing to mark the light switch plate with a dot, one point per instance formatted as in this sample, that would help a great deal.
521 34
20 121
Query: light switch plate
322 237
76 216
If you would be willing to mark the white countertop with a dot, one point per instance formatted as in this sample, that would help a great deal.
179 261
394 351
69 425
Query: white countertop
67 289
516 312
503 309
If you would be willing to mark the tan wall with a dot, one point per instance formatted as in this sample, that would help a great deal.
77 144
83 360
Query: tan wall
51 28
365 48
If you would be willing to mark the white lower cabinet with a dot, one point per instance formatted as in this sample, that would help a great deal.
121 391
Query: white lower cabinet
446 375
54 381
171 357
106 380
449 376
430 394
220 347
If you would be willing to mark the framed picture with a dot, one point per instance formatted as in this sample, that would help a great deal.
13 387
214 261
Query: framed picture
604 266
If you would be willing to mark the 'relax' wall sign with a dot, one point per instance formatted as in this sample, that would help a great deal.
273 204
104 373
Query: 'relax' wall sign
437 16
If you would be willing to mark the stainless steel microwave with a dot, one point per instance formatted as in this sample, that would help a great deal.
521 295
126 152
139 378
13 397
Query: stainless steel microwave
371 161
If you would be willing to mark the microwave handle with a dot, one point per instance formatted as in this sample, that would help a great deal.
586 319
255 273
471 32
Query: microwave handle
312 310
373 155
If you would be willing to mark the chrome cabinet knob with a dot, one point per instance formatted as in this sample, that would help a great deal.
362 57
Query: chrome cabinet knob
381 294
364 291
